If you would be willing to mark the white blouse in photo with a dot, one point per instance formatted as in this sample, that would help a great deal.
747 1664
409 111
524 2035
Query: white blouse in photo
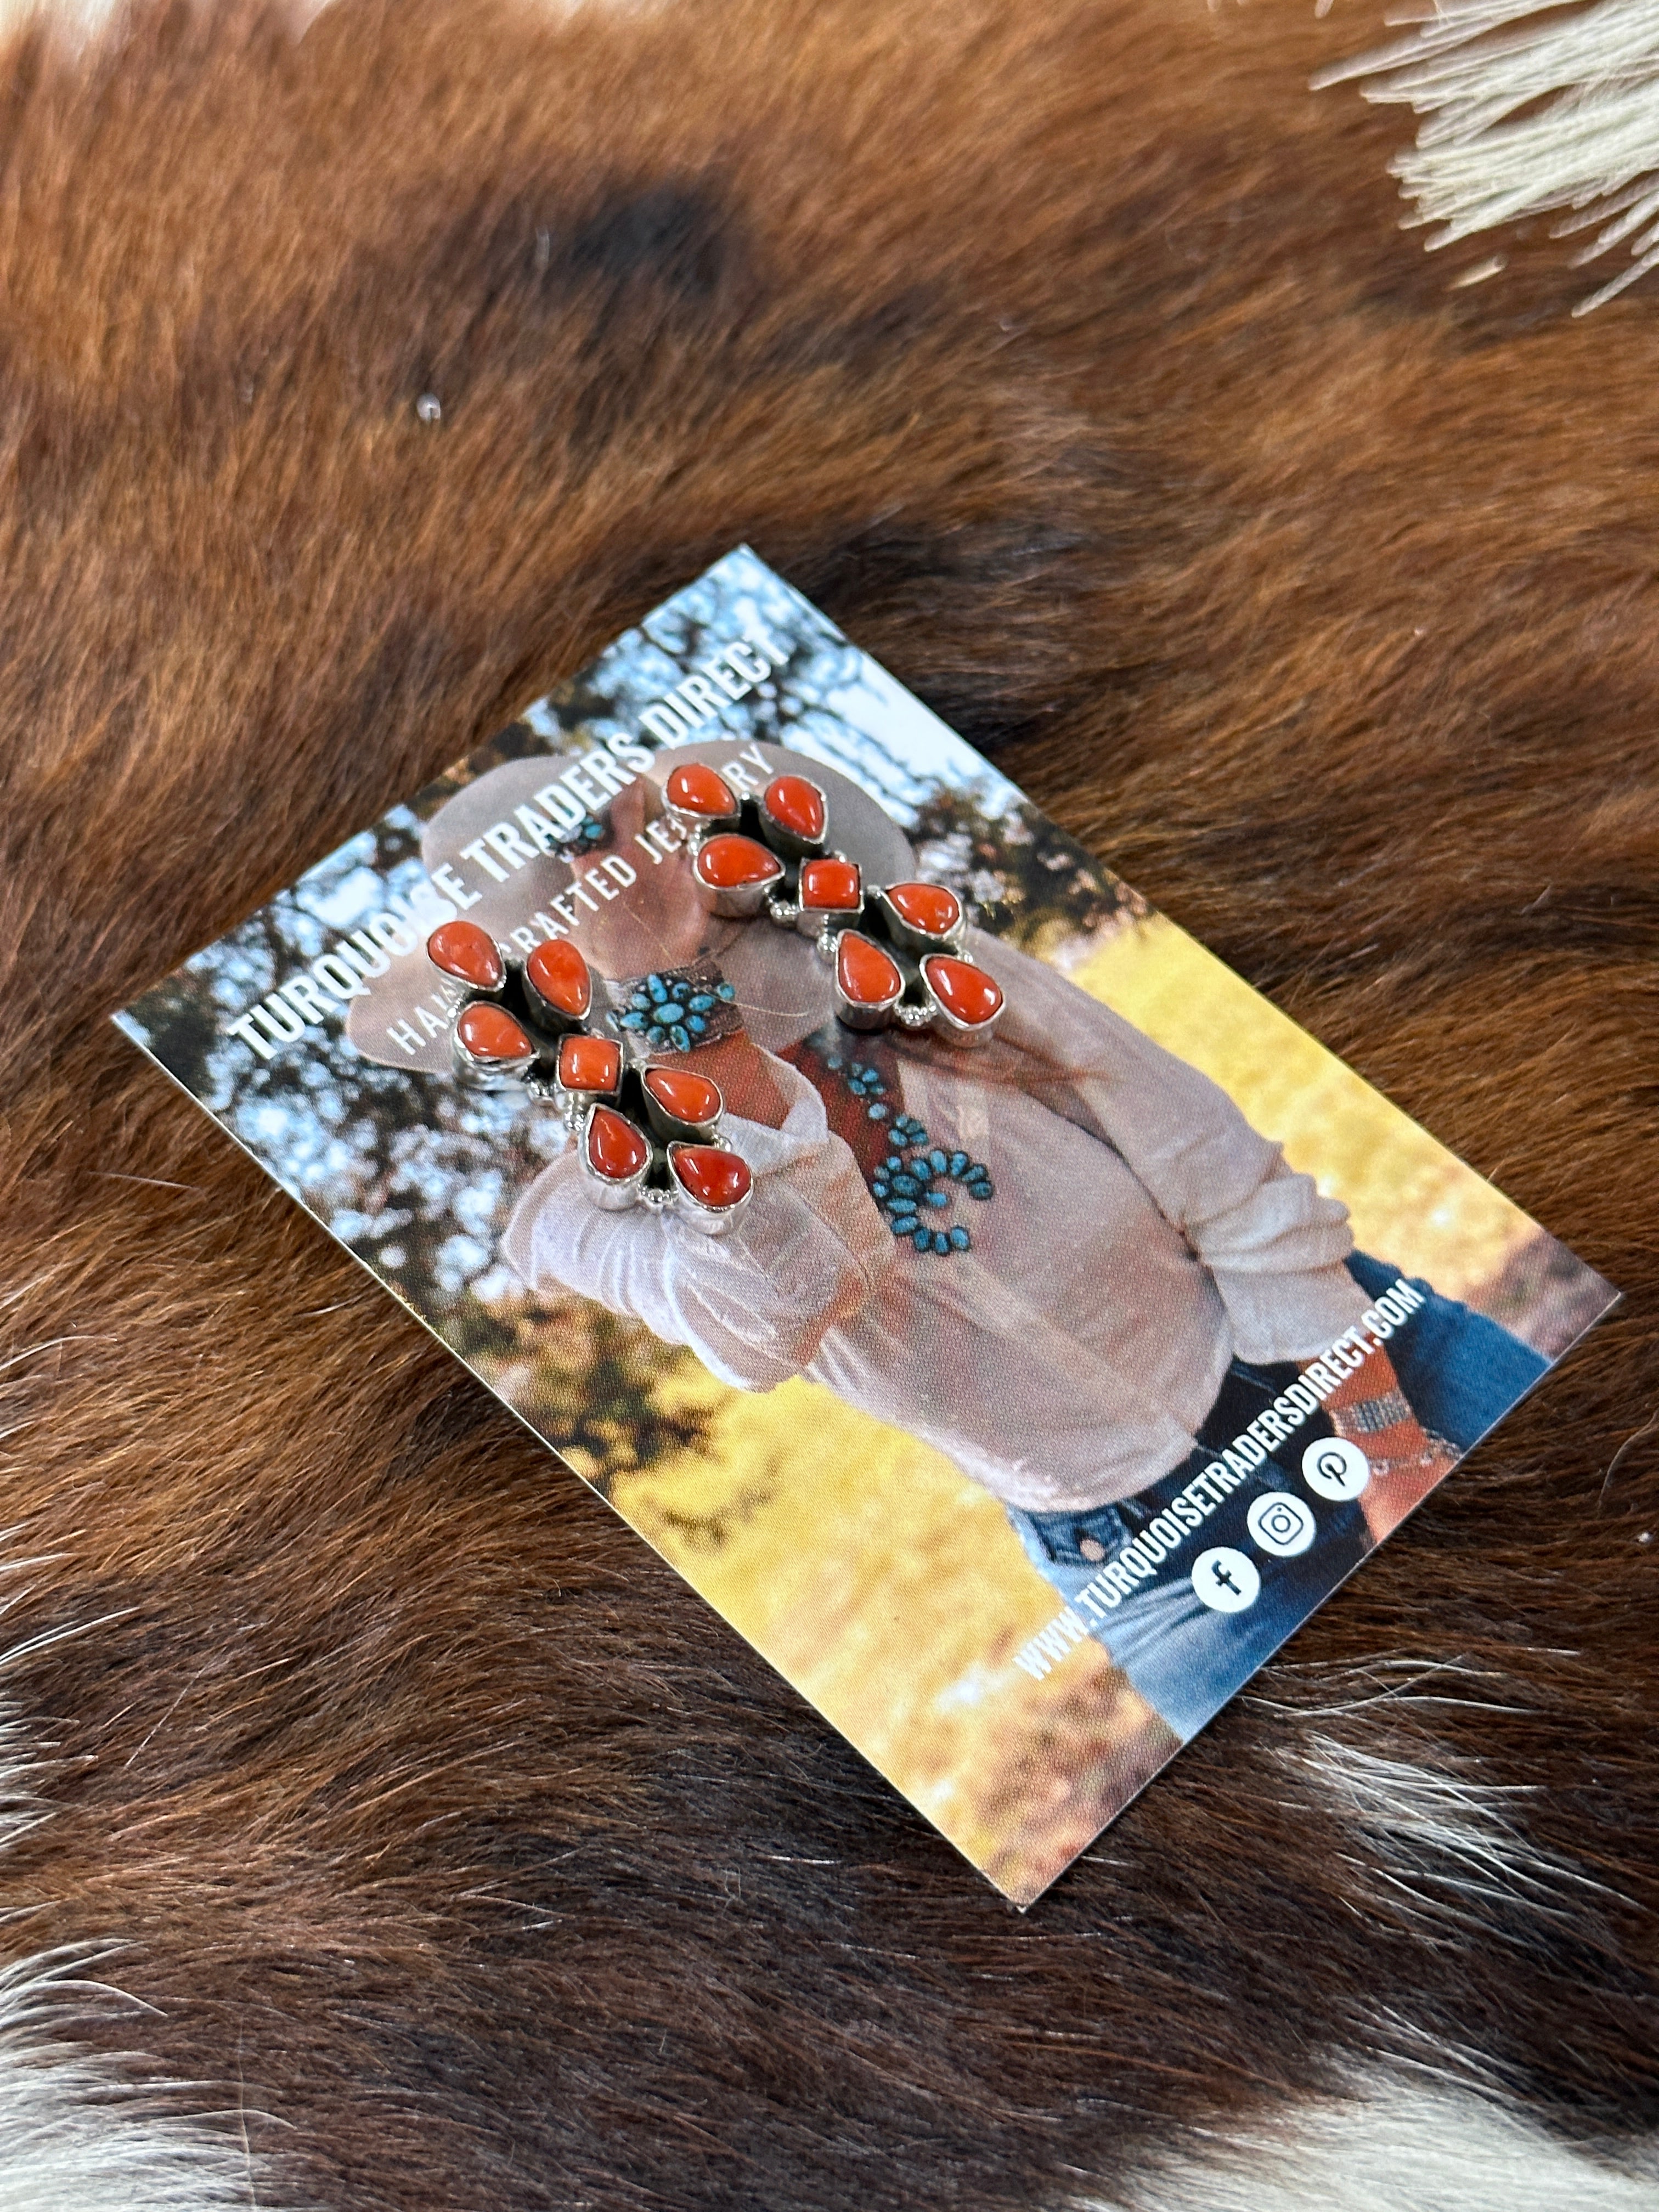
1067 1358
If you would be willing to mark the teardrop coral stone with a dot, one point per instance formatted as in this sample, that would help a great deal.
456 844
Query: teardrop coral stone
468 953
727 862
797 805
714 1178
682 1096
560 974
590 1063
699 790
489 1034
831 885
962 990
616 1149
865 972
927 907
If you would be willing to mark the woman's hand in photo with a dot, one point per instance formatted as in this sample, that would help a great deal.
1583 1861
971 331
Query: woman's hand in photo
1372 1410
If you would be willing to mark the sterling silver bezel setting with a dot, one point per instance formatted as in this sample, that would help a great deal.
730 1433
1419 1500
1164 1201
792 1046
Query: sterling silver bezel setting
922 941
611 1193
863 1014
486 1073
966 1036
778 833
707 1220
735 902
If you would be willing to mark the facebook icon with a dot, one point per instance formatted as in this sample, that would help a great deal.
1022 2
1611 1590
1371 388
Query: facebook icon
1225 1580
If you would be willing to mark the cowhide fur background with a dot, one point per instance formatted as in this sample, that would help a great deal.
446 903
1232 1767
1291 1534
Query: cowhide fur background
386 1829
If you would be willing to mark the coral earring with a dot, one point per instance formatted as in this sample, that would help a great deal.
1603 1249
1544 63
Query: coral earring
616 1149
964 991
796 805
829 886
488 1034
589 1063
468 953
929 909
560 974
867 975
696 789
684 1097
716 1179
730 863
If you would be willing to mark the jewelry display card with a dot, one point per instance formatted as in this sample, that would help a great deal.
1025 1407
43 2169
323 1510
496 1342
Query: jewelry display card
1009 1321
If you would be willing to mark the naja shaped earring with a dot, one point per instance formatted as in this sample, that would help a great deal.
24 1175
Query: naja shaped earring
897 949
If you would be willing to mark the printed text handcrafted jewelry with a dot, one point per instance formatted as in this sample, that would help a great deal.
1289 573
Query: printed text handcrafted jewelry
644 1136
896 948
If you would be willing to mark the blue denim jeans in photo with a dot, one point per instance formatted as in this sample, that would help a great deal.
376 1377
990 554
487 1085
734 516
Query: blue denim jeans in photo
1460 1372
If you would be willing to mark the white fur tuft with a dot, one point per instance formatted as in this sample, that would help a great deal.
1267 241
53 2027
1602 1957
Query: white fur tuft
79 2133
1437 1837
1441 1846
1441 1840
1529 111
1392 2148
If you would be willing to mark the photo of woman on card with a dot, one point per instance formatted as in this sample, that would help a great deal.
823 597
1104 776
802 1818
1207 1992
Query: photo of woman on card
1066 1260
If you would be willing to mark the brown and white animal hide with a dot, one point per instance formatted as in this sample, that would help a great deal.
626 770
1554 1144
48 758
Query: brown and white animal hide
389 1830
